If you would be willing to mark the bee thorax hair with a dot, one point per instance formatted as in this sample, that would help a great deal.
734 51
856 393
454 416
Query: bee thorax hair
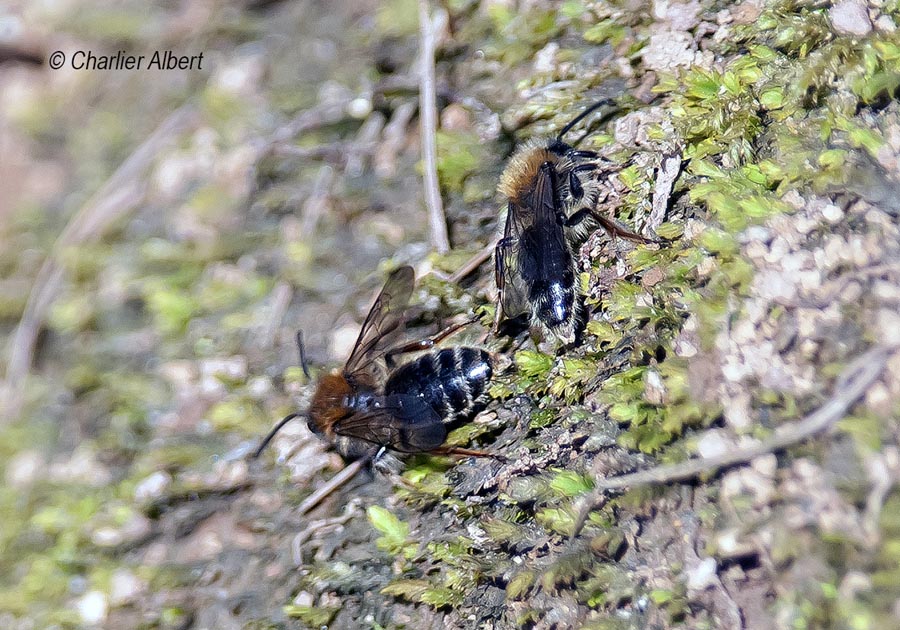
522 169
329 403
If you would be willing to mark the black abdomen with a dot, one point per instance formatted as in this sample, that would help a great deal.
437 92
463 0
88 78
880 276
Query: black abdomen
452 381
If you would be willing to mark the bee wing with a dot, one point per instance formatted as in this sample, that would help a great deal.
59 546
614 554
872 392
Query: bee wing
402 422
384 317
513 296
533 247
549 236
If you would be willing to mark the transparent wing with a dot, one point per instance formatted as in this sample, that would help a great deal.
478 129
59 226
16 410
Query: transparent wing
548 255
401 422
513 296
533 251
384 318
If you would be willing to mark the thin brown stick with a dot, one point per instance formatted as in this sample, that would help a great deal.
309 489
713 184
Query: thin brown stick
437 222
853 383
474 262
333 484
121 193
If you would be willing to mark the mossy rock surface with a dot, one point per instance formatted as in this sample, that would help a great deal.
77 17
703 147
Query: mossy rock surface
289 188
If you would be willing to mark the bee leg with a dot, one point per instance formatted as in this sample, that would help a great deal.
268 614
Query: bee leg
386 462
465 452
498 315
425 344
575 187
611 227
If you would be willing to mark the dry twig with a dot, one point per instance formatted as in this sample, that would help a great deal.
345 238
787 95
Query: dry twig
852 384
437 222
473 263
319 527
333 484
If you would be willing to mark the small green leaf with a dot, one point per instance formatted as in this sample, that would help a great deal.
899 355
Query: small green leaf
660 596
866 138
558 520
669 231
569 483
772 98
763 53
411 590
531 363
311 615
520 584
718 242
832 158
394 531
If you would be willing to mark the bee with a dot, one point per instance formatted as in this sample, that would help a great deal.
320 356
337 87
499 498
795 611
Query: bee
552 191
370 404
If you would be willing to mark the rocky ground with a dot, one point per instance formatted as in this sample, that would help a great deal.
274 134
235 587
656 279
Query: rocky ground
165 233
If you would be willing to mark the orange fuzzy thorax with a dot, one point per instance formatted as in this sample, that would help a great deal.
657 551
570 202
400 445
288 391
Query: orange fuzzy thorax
328 402
520 173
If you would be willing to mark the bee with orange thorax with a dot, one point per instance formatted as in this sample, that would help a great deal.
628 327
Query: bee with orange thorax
552 191
370 405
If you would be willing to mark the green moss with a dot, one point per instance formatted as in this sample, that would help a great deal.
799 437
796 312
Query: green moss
73 314
517 35
558 520
606 586
520 584
394 537
502 531
568 483
398 17
459 155
238 414
114 24
778 112
315 616
172 309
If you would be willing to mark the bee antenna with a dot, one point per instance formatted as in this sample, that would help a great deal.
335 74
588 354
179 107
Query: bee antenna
302 349
272 433
582 115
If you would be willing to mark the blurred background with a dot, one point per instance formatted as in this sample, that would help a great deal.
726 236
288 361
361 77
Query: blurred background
163 233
